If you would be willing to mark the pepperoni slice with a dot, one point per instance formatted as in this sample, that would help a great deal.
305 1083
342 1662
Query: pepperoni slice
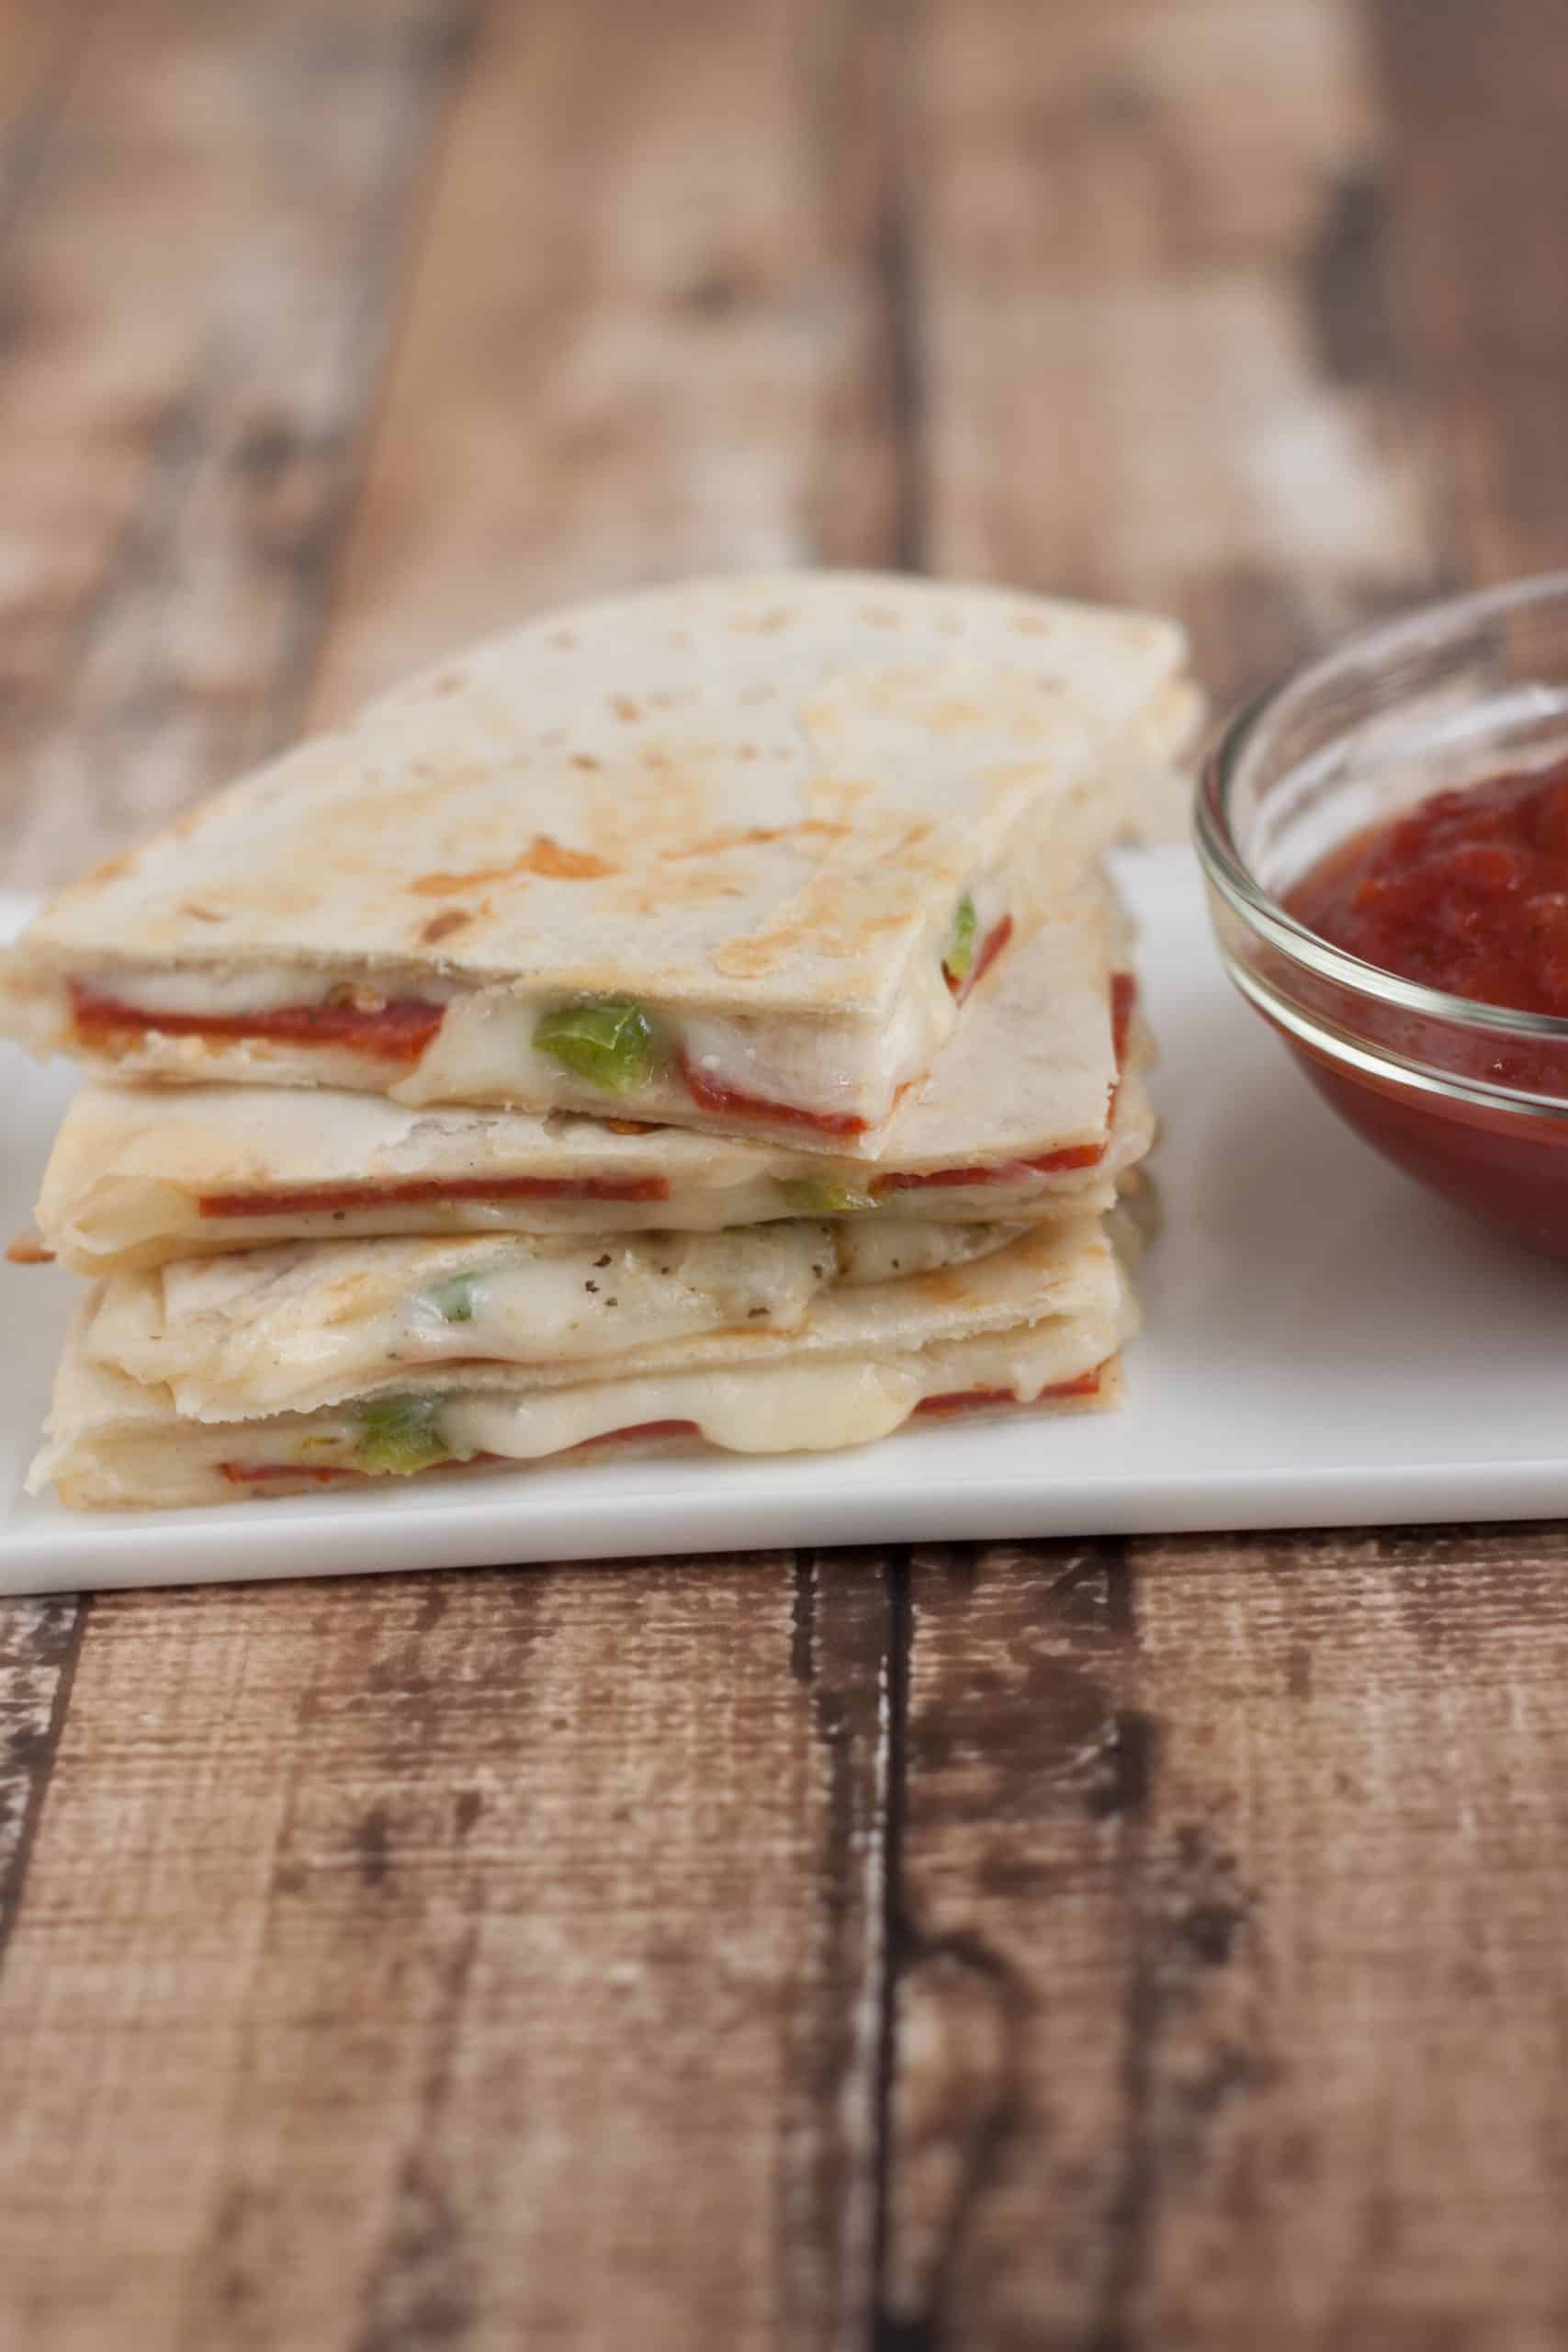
1124 996
397 1032
711 1094
331 1200
991 947
971 1400
267 1474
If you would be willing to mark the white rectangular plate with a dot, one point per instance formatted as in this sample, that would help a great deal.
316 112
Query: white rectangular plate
1322 1345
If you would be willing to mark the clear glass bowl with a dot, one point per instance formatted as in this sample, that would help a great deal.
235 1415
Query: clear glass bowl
1471 1099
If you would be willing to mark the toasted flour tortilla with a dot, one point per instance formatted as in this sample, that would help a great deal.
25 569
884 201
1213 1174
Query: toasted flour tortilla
779 823
311 1323
1046 1313
141 1175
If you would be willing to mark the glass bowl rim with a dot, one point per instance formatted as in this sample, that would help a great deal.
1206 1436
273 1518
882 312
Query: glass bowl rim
1227 871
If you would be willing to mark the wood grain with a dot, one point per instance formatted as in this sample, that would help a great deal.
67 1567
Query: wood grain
510 1973
38 1641
1481 170
1228 2007
41 50
1221 2013
647 332
467 1960
194 302
1149 241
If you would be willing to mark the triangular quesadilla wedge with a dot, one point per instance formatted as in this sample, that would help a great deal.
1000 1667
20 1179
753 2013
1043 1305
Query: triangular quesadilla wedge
729 856
1040 1320
1015 1122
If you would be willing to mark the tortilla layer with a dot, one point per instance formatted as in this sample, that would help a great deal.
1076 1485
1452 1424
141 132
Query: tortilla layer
1015 1121
866 1364
754 809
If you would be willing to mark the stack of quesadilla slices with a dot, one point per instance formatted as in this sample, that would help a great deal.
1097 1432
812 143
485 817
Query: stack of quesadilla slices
694 1020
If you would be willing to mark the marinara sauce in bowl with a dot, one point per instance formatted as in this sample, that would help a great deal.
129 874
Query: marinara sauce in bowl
1384 836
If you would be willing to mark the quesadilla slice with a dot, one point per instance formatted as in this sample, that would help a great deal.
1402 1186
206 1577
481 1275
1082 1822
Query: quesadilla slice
731 856
1040 1319
1035 1109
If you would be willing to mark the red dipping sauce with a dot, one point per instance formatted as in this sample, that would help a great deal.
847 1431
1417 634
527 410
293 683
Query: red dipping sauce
1466 894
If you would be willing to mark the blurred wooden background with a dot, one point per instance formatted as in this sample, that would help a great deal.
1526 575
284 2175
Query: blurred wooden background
1039 1949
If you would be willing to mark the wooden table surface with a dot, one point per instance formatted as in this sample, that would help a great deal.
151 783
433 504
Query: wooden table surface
1037 1948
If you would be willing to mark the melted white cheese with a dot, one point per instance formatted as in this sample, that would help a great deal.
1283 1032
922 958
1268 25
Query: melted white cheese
483 1050
790 1408
877 1250
783 1409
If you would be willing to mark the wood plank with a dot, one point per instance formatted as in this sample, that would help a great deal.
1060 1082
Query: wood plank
40 50
1224 2007
178 398
1228 2006
1027 1768
38 1641
1150 281
194 298
1479 105
480 1956
646 332
497 1958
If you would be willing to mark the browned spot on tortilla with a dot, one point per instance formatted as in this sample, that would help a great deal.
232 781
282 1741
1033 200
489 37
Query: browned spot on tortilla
542 856
201 914
443 925
548 858
1030 624
110 869
748 836
835 913
564 638
585 760
624 707
30 1248
451 681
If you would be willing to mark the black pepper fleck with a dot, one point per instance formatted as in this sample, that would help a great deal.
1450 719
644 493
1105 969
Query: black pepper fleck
593 1286
603 1260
